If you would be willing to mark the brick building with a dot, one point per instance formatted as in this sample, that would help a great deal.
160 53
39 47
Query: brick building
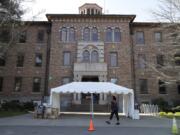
89 46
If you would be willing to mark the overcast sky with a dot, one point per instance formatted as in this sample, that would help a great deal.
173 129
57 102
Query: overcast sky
141 8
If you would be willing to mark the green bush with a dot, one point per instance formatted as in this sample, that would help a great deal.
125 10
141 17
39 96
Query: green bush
170 115
162 104
17 106
161 114
176 109
177 114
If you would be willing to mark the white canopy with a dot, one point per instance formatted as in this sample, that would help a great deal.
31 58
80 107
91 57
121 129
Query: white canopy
95 87
91 87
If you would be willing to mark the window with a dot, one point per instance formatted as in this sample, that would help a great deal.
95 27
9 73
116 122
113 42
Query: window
4 36
109 33
88 11
38 60
113 59
63 34
94 34
40 36
22 37
17 84
141 61
140 37
160 60
20 60
92 11
1 84
177 59
114 80
178 88
36 84
162 87
86 34
2 61
65 80
94 56
158 37
86 56
143 86
66 58
117 35
71 34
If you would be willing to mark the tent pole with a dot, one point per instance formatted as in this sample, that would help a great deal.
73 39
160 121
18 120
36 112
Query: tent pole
92 116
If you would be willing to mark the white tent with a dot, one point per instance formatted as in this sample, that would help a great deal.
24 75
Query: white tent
95 87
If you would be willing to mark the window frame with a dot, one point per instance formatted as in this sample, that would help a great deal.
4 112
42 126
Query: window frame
140 41
17 80
38 64
64 58
143 86
38 83
116 59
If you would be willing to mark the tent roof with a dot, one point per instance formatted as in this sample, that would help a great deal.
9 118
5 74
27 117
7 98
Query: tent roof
91 87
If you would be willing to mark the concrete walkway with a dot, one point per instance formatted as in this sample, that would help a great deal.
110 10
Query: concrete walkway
83 121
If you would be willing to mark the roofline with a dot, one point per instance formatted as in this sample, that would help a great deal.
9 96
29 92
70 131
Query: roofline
91 4
50 16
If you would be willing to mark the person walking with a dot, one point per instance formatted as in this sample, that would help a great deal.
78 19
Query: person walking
114 110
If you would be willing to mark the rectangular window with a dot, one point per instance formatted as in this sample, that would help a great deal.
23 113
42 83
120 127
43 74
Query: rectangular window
20 60
162 87
160 60
2 61
143 86
36 84
18 84
140 37
40 36
22 37
66 80
178 88
158 37
66 58
38 60
4 36
141 61
113 59
114 80
1 84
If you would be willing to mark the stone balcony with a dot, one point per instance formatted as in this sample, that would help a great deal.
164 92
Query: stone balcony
90 69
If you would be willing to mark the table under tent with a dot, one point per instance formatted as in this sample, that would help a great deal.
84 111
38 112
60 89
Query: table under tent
95 87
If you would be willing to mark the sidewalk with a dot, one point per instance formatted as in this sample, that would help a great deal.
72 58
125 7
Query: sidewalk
83 121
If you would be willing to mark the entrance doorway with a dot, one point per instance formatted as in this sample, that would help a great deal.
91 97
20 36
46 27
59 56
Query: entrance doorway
86 97
90 79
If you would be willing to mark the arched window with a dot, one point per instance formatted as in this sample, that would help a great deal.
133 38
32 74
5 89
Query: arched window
94 34
63 34
86 34
71 34
94 56
109 35
117 35
86 56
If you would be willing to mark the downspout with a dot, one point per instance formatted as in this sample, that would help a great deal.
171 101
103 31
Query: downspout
133 61
46 84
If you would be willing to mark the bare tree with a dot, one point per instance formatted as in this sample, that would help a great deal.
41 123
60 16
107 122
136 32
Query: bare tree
168 15
11 24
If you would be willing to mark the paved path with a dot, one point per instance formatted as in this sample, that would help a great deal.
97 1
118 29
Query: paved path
78 125
41 130
83 120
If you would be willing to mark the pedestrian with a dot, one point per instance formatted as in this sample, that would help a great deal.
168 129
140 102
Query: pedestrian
114 110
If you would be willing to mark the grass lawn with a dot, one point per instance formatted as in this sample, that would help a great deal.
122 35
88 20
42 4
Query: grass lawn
11 113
